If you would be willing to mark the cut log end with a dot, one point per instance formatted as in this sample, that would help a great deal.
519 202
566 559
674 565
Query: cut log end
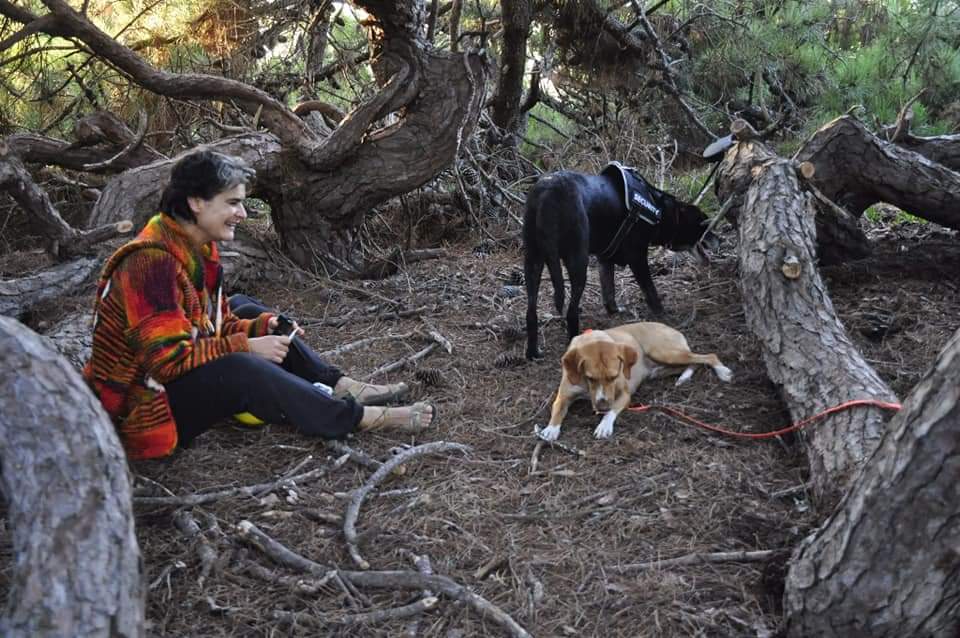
807 170
791 267
123 227
742 130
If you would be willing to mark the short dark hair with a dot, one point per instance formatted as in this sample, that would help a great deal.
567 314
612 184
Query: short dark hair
204 174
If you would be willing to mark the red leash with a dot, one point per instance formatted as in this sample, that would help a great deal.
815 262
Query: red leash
767 435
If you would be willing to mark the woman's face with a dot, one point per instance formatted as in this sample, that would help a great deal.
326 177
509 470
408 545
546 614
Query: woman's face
217 218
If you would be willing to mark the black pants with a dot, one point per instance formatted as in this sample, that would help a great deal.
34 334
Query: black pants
244 382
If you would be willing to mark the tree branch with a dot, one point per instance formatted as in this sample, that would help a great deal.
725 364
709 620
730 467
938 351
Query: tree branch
276 117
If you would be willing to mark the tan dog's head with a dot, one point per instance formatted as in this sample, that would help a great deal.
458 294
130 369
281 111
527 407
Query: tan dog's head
603 367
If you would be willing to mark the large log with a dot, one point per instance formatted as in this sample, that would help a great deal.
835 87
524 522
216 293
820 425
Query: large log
886 562
856 169
135 194
76 568
805 347
838 237
19 296
44 216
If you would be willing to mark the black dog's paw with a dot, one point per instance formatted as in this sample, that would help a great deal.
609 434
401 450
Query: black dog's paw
612 309
534 354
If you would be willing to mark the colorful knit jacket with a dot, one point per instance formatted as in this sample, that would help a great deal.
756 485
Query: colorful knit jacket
152 324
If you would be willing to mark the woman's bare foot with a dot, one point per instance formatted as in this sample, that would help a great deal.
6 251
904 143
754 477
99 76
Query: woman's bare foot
369 393
418 416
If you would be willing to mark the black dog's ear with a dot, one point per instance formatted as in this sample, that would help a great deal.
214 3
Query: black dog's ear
571 366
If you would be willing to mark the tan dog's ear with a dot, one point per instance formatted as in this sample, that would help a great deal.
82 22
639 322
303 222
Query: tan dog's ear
629 356
571 365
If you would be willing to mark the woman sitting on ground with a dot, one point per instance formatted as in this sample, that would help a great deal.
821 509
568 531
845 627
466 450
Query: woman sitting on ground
170 359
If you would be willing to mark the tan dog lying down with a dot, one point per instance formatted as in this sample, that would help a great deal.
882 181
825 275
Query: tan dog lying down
609 365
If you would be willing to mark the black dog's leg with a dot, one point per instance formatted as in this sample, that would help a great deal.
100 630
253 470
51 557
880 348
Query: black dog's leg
556 277
608 287
577 271
532 271
641 272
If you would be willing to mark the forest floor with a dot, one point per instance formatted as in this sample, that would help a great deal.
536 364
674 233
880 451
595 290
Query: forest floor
563 543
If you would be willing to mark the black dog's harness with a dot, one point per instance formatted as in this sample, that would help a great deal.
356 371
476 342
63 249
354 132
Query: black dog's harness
638 200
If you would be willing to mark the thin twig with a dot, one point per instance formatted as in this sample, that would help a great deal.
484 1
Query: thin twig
384 579
353 508
246 490
379 615
396 365
694 559
185 522
353 345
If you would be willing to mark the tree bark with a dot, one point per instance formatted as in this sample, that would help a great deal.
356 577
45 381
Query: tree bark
319 190
805 347
856 169
77 568
942 149
838 237
19 296
65 240
886 563
99 136
318 31
135 194
506 112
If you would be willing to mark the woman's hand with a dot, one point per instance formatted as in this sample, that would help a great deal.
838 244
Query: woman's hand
272 347
274 325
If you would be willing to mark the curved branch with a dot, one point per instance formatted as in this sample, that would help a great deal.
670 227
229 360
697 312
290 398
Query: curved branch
353 508
855 169
68 240
125 151
354 125
381 579
276 117
39 149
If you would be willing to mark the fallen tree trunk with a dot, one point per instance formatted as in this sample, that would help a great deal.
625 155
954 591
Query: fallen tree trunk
838 234
885 564
76 568
942 149
65 239
19 296
856 169
805 347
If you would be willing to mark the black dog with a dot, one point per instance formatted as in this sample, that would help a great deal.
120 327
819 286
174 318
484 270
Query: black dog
570 216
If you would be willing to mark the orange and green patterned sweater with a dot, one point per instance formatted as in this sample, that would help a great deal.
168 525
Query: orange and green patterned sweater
153 322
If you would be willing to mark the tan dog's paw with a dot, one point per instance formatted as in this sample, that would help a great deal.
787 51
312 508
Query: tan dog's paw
604 429
549 433
684 377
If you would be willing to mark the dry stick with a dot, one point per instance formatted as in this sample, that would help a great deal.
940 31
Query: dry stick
185 522
402 362
382 579
422 563
693 559
442 584
353 507
357 456
535 457
360 457
380 615
557 444
247 490
129 148
310 586
347 347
